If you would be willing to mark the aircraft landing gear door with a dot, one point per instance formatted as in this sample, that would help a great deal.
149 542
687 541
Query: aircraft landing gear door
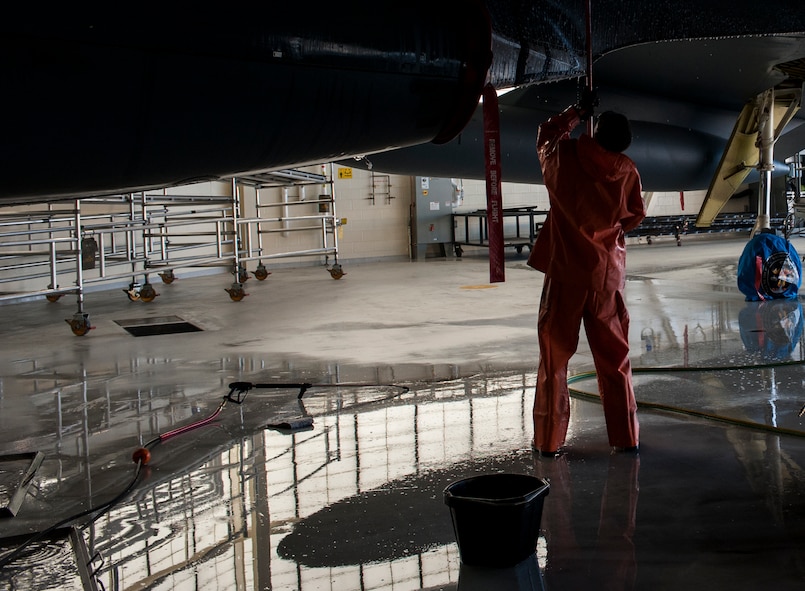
433 217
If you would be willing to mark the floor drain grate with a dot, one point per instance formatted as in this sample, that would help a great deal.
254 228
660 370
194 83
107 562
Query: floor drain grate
147 327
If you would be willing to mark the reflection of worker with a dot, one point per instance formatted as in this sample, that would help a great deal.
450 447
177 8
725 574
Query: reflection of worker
609 563
595 197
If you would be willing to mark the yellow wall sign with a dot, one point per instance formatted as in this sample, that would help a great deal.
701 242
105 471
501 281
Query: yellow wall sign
345 173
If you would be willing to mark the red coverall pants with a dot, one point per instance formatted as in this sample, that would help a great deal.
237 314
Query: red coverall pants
606 322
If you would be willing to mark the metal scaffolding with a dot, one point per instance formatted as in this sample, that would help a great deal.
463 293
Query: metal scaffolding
288 213
68 247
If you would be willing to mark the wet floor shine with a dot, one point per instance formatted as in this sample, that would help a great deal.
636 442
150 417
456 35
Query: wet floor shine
425 383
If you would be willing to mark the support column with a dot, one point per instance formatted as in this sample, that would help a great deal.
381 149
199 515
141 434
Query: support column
765 144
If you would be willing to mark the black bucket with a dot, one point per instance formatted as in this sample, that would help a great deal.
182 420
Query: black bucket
496 517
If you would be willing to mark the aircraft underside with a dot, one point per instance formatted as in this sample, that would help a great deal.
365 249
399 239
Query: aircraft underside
98 103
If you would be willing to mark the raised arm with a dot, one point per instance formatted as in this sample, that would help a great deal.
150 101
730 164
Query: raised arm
555 129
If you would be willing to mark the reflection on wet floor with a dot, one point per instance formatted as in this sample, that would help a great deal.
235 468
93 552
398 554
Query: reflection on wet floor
354 500
358 498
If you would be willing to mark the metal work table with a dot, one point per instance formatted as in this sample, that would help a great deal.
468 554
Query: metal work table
520 228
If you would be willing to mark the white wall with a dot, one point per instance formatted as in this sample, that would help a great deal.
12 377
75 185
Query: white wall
373 215
522 195
378 227
373 211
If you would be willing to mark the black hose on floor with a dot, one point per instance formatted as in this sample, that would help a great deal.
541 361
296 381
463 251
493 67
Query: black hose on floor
690 412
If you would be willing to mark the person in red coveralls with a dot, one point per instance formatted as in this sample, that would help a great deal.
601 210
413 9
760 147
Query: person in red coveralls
595 196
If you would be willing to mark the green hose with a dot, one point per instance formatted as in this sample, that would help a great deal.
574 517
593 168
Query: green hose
642 404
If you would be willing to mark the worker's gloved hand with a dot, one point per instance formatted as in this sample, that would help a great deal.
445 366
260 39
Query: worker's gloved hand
588 101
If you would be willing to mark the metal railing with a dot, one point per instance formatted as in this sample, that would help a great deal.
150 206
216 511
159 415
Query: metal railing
70 246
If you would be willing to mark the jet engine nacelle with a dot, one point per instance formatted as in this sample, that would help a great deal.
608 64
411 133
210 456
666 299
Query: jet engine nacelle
113 101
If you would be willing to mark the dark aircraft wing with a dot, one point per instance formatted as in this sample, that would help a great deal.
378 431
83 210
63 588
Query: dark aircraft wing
683 98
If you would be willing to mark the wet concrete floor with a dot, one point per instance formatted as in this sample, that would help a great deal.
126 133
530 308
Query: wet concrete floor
412 376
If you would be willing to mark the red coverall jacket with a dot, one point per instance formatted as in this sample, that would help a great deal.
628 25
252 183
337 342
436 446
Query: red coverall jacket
595 197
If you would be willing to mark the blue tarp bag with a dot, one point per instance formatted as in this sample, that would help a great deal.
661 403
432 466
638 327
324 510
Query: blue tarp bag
769 268
771 328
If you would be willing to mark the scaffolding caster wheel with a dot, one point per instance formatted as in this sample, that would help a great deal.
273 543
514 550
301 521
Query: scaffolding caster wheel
242 274
79 324
236 292
133 292
148 293
260 272
167 277
336 272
